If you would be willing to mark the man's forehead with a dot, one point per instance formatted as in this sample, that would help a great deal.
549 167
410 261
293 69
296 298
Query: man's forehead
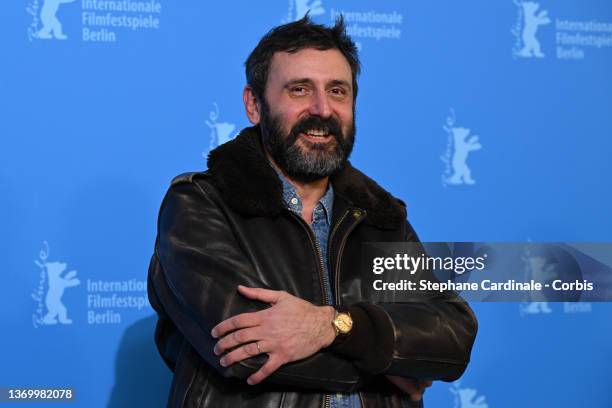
310 63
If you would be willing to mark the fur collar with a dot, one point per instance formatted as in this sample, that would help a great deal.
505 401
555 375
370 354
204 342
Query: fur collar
249 185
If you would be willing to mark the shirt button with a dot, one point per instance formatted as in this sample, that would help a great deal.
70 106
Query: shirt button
294 201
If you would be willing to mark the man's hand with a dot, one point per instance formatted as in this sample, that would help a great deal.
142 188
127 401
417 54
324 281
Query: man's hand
292 329
414 388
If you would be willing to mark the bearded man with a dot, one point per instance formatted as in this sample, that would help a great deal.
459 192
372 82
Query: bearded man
256 277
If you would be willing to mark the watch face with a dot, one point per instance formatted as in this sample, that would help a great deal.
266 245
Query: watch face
344 323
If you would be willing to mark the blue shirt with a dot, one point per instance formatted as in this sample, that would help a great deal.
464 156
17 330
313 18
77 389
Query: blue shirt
321 221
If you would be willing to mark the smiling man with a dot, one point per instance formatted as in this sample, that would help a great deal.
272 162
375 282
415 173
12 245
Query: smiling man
256 274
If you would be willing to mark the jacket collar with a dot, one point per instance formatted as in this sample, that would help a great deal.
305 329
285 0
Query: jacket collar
249 185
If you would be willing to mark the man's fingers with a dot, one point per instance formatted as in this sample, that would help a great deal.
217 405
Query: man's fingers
237 322
266 370
243 352
263 295
237 338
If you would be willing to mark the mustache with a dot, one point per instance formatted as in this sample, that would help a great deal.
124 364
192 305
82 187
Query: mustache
316 122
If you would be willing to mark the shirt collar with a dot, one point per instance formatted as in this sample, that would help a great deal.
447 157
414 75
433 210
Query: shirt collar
289 193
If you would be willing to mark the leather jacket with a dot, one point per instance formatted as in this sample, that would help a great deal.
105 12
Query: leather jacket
230 226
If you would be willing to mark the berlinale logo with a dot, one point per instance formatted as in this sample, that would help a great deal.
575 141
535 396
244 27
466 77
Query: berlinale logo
529 20
467 397
460 144
220 132
47 15
299 8
51 286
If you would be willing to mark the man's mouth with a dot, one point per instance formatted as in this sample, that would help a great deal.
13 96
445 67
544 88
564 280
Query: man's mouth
317 134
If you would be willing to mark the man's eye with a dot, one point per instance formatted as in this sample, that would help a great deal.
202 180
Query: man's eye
298 89
338 91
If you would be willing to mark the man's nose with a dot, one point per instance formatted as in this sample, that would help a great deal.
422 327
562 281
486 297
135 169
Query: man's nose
320 105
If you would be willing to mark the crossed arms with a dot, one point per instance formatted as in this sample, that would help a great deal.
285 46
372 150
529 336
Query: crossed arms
197 267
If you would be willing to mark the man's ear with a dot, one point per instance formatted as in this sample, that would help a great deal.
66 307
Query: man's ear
251 105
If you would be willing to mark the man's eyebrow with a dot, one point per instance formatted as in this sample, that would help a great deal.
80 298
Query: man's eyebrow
333 82
340 82
298 81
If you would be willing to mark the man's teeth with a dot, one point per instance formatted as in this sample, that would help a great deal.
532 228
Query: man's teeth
317 132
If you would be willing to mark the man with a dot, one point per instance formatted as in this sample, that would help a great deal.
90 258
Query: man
256 276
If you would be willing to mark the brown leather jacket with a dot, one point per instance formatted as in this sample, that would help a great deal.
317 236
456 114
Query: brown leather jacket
230 226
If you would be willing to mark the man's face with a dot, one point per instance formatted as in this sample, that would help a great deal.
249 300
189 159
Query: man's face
307 115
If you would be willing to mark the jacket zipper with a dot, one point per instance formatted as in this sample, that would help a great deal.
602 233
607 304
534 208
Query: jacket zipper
317 253
317 250
326 300
362 400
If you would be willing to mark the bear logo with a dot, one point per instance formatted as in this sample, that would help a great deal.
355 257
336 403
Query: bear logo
539 269
460 144
304 6
299 8
532 20
52 28
467 397
56 311
220 132
464 144
528 308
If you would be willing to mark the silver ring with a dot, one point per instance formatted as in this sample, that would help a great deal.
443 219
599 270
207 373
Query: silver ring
258 349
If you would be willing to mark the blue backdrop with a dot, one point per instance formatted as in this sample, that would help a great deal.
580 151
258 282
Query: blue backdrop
491 119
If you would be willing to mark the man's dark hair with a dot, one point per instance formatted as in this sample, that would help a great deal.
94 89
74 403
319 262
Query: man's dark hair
294 37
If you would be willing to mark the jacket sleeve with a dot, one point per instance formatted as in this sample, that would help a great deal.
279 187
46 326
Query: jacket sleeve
430 339
193 276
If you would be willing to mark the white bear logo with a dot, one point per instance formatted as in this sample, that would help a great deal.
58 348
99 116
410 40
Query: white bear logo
303 6
50 289
299 8
535 308
467 397
460 144
220 132
53 300
537 268
52 28
531 21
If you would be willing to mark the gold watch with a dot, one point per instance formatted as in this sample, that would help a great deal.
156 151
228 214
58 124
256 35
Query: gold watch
343 323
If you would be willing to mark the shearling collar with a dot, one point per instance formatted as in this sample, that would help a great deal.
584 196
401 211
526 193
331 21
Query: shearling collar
249 185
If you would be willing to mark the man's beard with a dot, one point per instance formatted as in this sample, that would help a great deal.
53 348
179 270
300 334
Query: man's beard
316 160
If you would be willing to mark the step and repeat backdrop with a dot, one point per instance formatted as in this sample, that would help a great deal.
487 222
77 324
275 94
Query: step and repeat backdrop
491 119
